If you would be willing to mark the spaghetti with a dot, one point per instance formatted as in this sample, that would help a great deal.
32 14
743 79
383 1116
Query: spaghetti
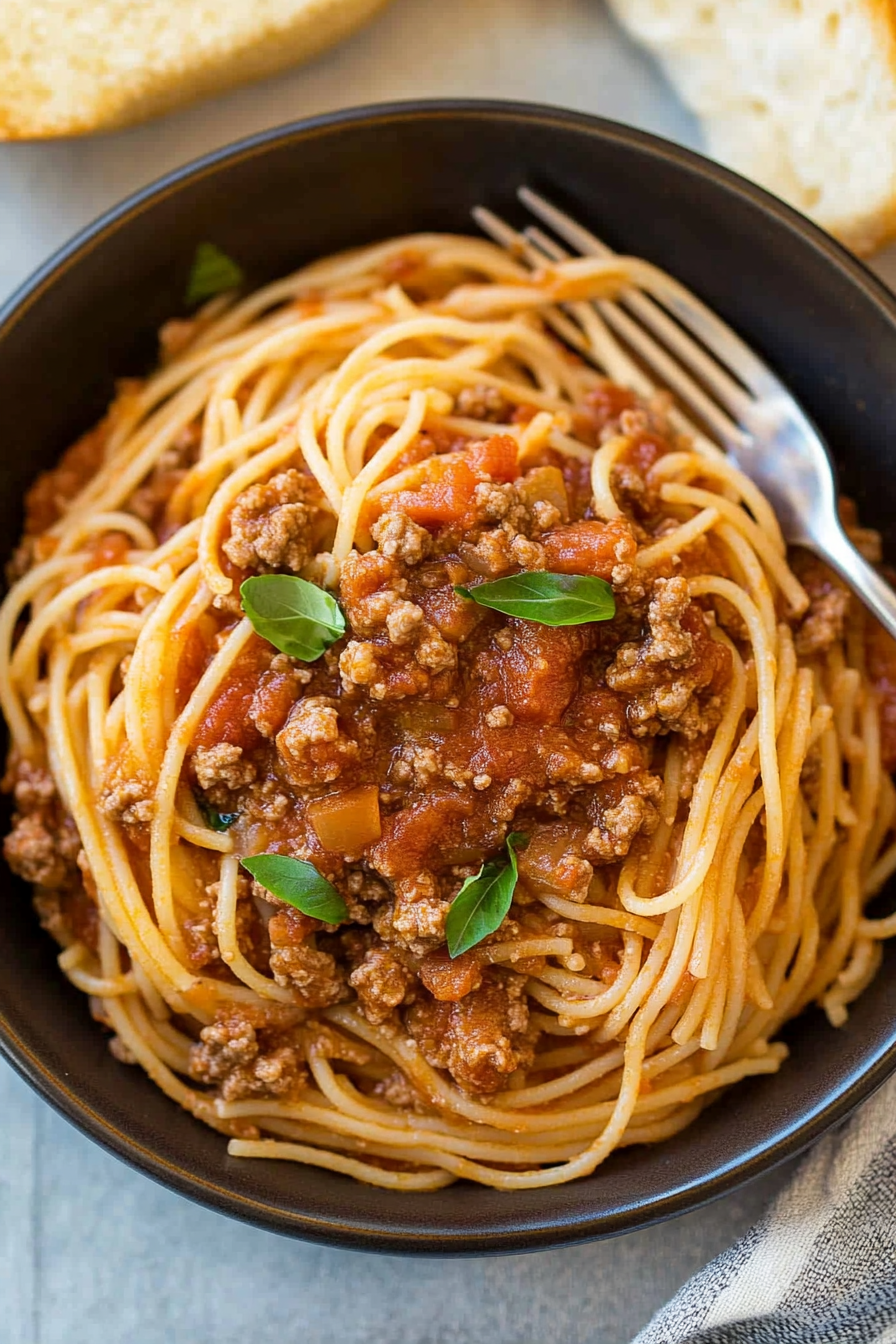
700 783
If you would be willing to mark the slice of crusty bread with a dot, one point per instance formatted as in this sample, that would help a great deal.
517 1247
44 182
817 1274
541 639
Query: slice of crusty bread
799 95
68 67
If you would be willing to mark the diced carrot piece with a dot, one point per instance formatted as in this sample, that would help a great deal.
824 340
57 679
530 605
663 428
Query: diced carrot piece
589 547
496 457
346 822
442 499
449 980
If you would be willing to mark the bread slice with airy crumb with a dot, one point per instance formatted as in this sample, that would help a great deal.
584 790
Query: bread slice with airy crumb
799 95
68 67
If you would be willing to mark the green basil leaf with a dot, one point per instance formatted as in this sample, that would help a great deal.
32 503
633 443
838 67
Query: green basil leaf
298 883
294 615
215 820
548 599
212 272
482 903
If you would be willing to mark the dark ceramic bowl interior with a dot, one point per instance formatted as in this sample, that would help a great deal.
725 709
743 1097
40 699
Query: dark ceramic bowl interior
90 316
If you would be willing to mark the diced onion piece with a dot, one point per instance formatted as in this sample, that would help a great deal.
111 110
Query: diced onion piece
545 484
346 822
425 718
551 863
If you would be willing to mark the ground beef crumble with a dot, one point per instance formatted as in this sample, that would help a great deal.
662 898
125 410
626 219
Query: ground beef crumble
278 524
127 794
664 673
43 844
221 768
398 537
461 722
481 1038
435 725
482 403
315 977
825 618
44 848
247 1054
382 980
440 726
312 745
620 822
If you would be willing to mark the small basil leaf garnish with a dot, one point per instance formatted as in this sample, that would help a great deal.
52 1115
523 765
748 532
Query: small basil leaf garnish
215 820
294 615
212 272
298 883
483 901
548 599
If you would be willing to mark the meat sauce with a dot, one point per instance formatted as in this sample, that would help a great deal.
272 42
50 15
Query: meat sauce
401 760
881 654
467 723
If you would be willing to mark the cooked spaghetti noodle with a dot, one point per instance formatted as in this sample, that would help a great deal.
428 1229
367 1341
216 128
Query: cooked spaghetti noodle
701 781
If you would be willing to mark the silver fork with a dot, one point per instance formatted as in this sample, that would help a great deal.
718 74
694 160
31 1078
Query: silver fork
718 378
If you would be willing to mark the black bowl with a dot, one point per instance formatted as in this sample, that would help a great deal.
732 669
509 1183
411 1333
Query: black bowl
274 201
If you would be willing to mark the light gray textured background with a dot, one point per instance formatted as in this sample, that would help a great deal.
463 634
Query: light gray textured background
92 1253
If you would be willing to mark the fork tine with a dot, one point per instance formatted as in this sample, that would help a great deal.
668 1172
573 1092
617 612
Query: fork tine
514 243
564 225
651 315
590 337
503 233
688 310
598 343
667 370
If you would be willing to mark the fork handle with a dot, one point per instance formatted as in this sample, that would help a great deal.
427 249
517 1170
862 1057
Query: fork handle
863 578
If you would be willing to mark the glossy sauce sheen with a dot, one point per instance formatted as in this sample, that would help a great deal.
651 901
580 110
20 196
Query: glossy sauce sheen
399 761
560 711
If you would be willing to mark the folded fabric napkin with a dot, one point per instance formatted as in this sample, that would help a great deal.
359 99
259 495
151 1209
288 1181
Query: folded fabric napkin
820 1268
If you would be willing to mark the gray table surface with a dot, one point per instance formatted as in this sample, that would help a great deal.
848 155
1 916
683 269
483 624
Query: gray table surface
93 1253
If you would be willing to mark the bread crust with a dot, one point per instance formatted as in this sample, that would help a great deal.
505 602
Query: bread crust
125 93
864 233
794 143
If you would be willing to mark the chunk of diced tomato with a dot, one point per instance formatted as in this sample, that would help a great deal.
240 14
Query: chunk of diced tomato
450 980
589 547
416 837
445 497
227 717
495 457
644 450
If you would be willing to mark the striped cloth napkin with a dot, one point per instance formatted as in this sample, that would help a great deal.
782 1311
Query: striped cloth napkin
820 1268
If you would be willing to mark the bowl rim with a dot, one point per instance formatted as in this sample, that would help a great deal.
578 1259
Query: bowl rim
791 1138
